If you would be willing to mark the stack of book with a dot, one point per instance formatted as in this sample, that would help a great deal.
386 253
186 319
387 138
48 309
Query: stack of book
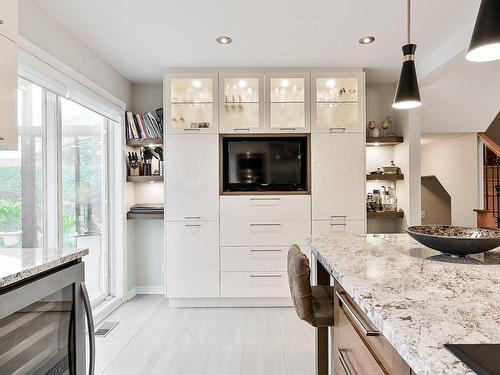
143 126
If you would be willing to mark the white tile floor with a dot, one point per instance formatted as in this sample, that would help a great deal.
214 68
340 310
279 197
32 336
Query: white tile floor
155 339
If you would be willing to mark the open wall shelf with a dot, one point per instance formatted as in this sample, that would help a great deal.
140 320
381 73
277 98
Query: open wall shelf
385 214
144 179
144 216
145 142
384 141
385 177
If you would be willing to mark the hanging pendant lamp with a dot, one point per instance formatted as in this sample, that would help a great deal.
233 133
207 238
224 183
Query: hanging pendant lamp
485 41
407 93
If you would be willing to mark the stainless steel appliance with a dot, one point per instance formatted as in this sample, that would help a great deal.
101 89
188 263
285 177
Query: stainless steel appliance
483 359
42 325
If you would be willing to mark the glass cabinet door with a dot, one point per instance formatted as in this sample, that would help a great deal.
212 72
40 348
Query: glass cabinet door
241 103
192 104
288 102
338 104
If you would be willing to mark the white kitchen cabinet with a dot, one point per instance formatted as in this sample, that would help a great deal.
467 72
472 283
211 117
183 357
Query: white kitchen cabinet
191 103
254 284
8 94
264 233
241 98
192 177
265 207
8 19
287 102
321 227
192 259
338 177
338 102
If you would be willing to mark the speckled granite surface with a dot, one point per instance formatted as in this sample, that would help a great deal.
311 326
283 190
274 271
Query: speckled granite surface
19 264
418 298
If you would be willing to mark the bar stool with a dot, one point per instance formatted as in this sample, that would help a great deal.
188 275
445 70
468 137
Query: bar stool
313 304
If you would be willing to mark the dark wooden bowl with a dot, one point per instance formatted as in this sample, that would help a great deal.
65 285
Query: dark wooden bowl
458 241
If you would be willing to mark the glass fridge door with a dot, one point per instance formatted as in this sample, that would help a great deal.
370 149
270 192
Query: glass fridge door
39 339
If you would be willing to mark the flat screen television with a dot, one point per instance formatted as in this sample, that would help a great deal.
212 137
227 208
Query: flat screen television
261 164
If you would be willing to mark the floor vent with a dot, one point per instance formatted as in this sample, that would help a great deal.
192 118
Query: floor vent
105 328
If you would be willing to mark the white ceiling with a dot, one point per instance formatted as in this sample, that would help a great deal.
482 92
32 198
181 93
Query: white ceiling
142 38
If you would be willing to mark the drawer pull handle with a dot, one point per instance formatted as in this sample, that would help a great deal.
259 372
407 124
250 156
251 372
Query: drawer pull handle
343 362
287 129
366 330
341 216
192 129
265 199
344 224
1 22
266 225
263 276
266 250
192 225
337 130
241 130
192 217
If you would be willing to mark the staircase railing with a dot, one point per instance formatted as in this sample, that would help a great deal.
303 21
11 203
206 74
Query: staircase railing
491 158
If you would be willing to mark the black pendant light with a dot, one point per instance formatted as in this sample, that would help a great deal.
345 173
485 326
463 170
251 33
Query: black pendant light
407 94
485 41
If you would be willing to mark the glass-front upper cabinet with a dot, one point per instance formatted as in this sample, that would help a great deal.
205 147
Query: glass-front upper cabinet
241 98
287 102
191 103
338 99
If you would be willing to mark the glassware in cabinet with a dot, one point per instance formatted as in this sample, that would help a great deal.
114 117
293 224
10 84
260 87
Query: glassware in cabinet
288 98
191 102
337 104
241 99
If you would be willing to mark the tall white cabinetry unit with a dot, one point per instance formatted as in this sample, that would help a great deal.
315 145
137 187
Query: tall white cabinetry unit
338 157
192 195
230 248
8 75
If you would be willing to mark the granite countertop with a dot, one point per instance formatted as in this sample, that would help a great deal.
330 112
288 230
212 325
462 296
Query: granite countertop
18 264
418 298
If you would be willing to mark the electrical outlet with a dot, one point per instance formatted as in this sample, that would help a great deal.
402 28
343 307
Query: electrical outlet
422 214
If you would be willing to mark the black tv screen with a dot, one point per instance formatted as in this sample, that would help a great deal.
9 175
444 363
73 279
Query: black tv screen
264 163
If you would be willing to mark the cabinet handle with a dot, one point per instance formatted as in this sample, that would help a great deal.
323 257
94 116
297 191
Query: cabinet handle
2 138
287 129
192 225
1 22
241 130
192 129
192 217
338 216
343 362
366 330
266 225
265 199
90 323
266 250
337 130
262 276
337 224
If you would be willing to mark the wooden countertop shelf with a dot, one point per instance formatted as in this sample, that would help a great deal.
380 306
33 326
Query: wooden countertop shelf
145 142
144 179
145 216
385 177
383 141
385 214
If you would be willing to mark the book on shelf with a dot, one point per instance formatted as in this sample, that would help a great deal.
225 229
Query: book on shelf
143 126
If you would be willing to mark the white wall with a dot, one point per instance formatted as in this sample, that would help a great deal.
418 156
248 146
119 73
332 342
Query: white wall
379 98
147 97
45 32
455 164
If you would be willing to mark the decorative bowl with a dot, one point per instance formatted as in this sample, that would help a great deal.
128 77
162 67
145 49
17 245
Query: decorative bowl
455 241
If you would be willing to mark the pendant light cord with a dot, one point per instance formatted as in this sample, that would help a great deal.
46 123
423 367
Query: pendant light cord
408 19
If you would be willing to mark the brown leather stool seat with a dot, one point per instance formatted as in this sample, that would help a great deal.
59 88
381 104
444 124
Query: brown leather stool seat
312 304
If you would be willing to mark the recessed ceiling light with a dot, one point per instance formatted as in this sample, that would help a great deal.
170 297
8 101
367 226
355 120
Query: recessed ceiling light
367 40
224 40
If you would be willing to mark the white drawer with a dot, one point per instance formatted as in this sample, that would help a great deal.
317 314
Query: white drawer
257 258
268 207
265 233
254 284
320 227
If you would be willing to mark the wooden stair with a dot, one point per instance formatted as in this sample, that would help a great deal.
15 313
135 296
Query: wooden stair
489 215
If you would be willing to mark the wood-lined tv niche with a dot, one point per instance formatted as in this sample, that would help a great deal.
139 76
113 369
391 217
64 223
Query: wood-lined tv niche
259 164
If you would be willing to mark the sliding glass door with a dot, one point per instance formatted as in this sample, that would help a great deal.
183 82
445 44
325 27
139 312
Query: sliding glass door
84 191
54 190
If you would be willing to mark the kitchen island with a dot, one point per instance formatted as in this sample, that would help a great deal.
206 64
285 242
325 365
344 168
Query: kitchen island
43 304
415 297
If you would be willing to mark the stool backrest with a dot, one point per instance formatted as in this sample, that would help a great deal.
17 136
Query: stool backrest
299 273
